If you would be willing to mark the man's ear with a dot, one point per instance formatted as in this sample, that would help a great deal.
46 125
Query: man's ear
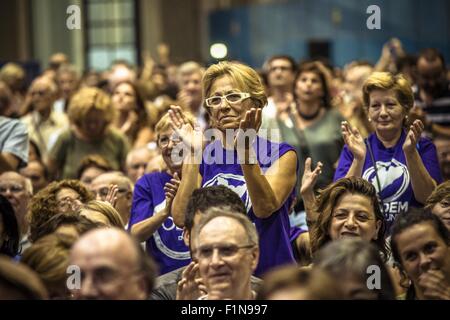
186 237
255 257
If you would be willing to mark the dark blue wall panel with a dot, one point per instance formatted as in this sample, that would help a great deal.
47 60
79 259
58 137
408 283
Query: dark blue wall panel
255 32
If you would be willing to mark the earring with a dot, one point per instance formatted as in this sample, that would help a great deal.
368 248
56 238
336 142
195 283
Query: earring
370 120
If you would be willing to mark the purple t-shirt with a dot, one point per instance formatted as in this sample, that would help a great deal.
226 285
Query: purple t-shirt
220 167
395 180
166 245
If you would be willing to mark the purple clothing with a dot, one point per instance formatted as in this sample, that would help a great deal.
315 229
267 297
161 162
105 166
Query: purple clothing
274 231
396 189
166 245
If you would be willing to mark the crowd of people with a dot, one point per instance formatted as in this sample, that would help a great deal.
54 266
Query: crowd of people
296 180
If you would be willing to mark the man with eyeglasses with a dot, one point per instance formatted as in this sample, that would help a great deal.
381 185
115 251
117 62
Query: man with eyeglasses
124 196
226 249
185 283
43 123
280 71
18 190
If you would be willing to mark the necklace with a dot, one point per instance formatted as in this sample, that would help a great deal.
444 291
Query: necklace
308 117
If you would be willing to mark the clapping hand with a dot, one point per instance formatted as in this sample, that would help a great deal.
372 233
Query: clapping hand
414 133
354 141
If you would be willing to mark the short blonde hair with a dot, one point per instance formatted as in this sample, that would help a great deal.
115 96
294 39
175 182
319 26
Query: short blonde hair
107 210
164 123
245 78
387 81
87 99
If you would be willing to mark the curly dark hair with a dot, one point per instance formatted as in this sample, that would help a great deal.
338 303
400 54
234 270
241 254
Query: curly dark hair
43 205
328 199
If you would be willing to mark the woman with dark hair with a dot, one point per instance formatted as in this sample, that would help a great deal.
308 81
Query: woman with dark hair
9 229
313 126
131 116
348 208
420 245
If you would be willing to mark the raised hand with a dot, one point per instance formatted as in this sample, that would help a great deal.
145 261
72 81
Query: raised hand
414 133
434 285
170 189
191 137
354 141
248 127
310 176
111 197
190 287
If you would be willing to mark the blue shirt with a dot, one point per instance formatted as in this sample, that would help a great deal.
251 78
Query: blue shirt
166 245
395 178
274 231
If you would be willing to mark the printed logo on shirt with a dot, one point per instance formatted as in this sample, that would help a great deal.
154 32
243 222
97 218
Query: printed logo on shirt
234 182
394 181
169 226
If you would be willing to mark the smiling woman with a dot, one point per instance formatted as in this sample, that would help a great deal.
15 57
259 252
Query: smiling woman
348 208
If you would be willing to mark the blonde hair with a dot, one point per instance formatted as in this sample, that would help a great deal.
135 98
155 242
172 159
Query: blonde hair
244 77
87 99
107 210
387 81
164 123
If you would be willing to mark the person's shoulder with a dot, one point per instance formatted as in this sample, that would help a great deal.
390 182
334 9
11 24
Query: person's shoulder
115 135
334 114
166 285
148 178
66 135
12 123
425 143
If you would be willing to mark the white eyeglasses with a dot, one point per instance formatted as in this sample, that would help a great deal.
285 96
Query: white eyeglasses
231 98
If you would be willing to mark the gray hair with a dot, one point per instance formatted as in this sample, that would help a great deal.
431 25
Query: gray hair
243 220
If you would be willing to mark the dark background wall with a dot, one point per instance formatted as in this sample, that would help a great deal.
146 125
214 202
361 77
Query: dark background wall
254 32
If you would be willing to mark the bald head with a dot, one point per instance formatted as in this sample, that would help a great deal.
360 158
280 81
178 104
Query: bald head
111 264
18 190
124 195
137 161
113 243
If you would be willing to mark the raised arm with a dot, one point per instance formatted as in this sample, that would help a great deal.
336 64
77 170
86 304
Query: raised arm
190 173
145 229
309 180
357 147
267 191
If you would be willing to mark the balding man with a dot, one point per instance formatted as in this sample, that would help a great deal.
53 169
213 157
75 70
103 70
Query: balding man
43 124
18 190
114 266
137 161
100 186
226 249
